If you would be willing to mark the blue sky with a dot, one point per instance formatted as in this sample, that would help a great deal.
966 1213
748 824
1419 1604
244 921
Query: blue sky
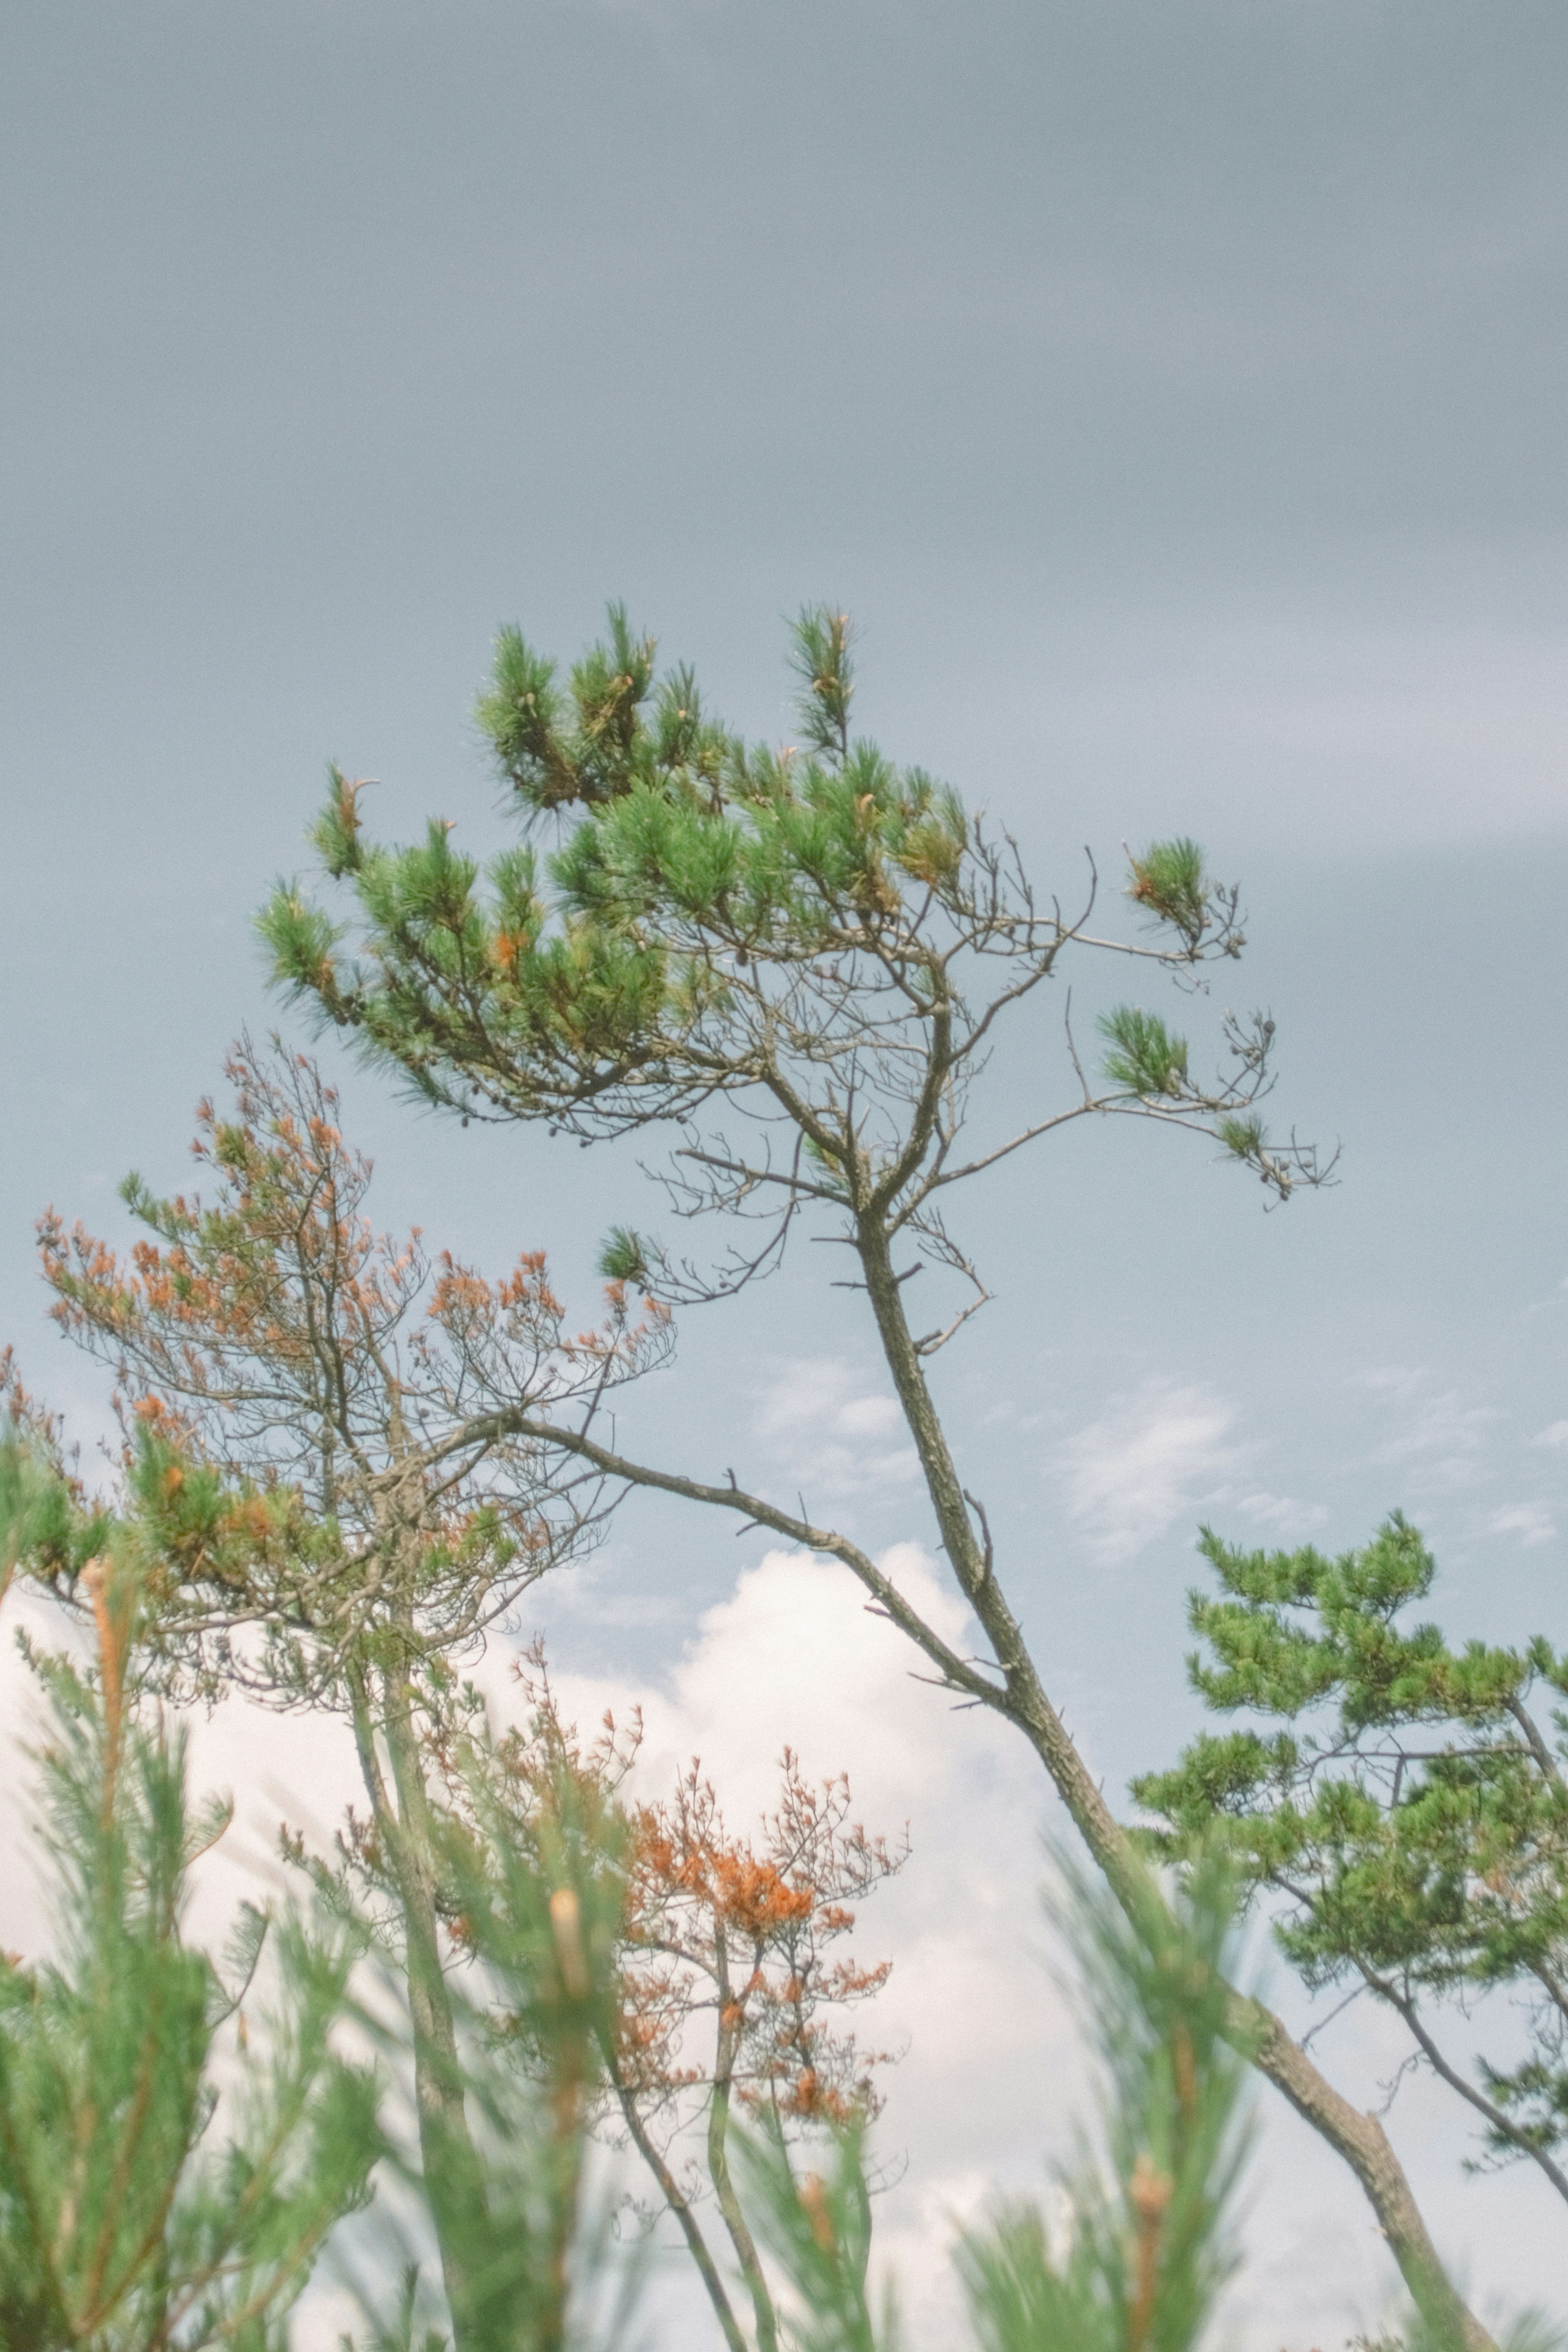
1173 395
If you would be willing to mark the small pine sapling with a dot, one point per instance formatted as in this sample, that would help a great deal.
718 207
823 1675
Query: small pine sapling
731 1981
120 2228
534 1900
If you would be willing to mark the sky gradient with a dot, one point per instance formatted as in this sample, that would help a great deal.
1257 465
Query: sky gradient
1175 398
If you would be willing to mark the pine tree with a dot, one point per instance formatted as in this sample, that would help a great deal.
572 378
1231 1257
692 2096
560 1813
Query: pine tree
1416 1839
730 1982
822 947
121 2230
535 1906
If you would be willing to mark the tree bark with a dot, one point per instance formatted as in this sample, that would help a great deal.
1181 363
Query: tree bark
447 2157
1358 2138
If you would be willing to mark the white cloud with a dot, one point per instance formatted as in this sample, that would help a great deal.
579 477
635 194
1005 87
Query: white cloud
1158 1457
1530 1522
1281 1514
993 2077
1443 1432
1554 1434
795 1656
811 1392
294 1767
829 1431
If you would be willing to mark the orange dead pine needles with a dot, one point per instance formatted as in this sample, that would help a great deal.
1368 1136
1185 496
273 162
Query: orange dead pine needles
356 1400
732 1988
733 1975
744 1930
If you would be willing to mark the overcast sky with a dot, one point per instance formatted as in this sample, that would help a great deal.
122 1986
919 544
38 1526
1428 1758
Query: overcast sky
1175 396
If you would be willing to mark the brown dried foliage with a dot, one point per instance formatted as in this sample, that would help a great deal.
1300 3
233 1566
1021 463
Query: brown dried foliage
356 1397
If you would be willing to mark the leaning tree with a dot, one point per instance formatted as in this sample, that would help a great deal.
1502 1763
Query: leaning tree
799 959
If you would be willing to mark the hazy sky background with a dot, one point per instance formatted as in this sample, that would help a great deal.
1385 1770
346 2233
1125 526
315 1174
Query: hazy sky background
1175 394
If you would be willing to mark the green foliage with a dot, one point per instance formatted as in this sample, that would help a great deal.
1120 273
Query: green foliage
1172 882
334 836
715 920
40 1524
1145 1059
533 1884
595 741
819 2229
1418 1835
823 663
625 1255
614 732
117 2229
1146 2249
534 1858
694 850
1242 1136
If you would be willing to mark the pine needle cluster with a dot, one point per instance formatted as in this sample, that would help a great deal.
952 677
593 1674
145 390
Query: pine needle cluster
121 2230
1146 2248
714 914
1408 1825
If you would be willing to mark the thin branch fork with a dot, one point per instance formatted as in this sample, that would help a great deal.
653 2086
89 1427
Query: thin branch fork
762 1514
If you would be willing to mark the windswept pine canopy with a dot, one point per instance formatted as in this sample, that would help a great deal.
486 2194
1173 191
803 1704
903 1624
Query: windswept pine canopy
808 928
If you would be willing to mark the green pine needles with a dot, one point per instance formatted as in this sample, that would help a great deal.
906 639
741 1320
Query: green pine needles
1144 1057
1148 2248
535 1895
1415 1838
123 2227
1143 2249
724 920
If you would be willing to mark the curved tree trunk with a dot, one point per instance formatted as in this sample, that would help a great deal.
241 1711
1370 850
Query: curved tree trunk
1358 2138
